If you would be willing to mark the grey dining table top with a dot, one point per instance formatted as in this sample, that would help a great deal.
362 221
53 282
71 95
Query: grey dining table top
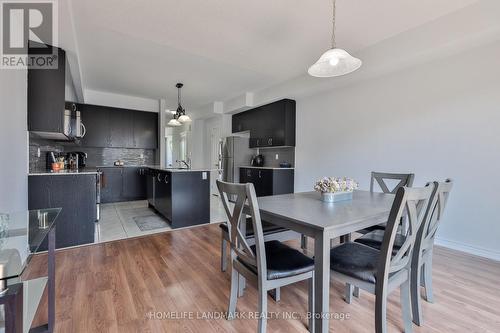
307 209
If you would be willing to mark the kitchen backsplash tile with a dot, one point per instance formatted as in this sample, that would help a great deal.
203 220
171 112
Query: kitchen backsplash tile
96 156
285 154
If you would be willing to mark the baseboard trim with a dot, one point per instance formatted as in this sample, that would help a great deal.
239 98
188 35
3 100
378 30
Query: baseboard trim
478 251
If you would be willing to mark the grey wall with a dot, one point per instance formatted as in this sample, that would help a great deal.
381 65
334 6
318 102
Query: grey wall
13 141
438 120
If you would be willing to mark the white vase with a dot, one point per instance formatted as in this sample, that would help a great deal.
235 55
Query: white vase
334 197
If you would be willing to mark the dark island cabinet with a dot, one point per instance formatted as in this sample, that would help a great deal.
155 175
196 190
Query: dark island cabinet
123 184
270 125
109 127
46 88
182 197
76 195
268 181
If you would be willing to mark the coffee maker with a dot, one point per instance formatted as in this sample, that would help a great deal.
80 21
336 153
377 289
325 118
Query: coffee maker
79 158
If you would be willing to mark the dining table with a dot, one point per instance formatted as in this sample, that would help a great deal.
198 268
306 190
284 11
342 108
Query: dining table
307 214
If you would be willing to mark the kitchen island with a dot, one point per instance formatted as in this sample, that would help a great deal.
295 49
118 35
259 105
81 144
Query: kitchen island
182 196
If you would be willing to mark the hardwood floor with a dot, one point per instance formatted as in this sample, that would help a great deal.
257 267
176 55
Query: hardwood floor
115 286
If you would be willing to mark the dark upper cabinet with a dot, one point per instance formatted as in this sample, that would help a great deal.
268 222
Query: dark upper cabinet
46 88
97 124
121 130
270 125
268 181
109 127
145 126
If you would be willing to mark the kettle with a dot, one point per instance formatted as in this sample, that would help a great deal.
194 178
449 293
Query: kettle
257 161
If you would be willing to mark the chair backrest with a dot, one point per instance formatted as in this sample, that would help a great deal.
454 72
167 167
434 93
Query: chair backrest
405 179
243 194
412 203
427 232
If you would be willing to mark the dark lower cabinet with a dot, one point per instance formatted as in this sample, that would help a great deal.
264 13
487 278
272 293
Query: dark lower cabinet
76 195
123 184
268 181
183 197
134 186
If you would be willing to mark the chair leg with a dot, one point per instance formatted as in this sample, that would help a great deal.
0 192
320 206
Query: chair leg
303 242
406 306
348 292
223 255
275 294
233 297
241 285
381 312
427 276
416 303
262 310
311 304
356 292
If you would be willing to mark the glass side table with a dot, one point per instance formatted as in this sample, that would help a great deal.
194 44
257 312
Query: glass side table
21 234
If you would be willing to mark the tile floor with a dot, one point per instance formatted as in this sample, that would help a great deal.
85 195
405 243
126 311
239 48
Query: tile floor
117 219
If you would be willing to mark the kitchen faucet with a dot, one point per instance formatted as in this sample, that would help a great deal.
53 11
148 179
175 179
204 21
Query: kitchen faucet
186 163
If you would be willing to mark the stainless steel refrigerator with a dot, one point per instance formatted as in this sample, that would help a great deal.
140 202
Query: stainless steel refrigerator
233 153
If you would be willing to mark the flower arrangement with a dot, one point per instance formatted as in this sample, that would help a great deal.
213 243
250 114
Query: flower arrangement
335 185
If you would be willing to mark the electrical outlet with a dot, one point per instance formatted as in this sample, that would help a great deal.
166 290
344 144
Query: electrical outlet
38 152
277 157
141 156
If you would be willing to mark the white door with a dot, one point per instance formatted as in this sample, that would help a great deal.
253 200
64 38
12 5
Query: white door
215 138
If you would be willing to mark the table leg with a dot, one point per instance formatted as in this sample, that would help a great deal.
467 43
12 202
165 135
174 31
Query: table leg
51 277
321 282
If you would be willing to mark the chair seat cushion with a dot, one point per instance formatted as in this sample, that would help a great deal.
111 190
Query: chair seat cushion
355 260
373 228
374 239
283 261
267 228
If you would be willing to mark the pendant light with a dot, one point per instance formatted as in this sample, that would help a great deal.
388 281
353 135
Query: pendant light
334 62
180 116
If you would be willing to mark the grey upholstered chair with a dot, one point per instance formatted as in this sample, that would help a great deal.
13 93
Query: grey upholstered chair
269 265
380 179
382 271
424 245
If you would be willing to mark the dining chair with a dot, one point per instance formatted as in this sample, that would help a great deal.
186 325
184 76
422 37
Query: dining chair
424 245
269 265
382 271
381 179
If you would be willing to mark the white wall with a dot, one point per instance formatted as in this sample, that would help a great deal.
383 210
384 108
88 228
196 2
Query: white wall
120 101
438 120
13 141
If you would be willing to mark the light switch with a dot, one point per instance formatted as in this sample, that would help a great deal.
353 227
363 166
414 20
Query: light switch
38 152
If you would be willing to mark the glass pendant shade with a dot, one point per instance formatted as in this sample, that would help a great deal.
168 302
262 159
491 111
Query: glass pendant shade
184 119
174 122
334 62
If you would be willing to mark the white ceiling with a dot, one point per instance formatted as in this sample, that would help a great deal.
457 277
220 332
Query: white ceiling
222 48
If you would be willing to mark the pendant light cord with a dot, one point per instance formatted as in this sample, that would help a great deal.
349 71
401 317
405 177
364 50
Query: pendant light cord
334 44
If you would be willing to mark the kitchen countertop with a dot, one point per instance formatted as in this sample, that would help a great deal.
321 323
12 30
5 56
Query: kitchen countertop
85 171
156 167
272 168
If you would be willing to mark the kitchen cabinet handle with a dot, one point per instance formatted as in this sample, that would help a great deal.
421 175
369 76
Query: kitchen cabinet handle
166 179
158 177
258 141
259 174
